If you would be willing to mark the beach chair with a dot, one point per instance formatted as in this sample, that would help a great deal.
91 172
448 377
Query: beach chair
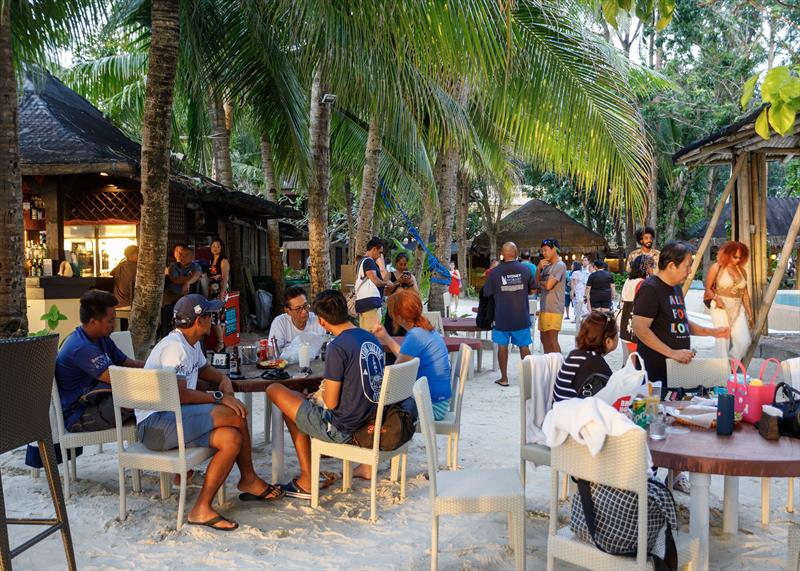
706 372
157 390
793 548
622 463
469 491
786 372
124 342
435 317
398 383
539 454
451 423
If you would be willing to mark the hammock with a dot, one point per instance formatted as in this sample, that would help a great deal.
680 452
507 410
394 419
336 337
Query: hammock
436 267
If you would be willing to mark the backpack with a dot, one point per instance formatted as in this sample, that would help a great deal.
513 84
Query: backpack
485 317
397 428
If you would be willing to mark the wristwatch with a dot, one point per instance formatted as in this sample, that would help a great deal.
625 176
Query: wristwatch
217 396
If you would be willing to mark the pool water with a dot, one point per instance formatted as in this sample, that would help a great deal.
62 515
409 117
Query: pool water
791 298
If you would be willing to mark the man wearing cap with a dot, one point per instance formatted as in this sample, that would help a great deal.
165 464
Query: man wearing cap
510 283
210 419
552 289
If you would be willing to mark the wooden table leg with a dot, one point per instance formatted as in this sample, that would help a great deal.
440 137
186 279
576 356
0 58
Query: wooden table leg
730 510
698 509
765 500
277 445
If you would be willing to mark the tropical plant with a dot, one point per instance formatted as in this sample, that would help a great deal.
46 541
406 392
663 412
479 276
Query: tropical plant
51 320
780 91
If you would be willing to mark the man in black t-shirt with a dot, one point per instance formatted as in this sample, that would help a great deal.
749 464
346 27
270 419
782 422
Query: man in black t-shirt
371 278
660 321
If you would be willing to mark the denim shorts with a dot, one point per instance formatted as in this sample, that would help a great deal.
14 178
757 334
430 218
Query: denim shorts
159 431
316 422
520 337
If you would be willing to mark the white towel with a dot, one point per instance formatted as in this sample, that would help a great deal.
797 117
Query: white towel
588 421
544 371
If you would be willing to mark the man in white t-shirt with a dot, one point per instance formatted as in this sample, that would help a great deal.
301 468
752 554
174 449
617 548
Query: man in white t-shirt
210 419
298 318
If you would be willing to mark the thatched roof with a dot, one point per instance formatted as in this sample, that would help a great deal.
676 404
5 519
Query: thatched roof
779 217
61 133
536 220
739 137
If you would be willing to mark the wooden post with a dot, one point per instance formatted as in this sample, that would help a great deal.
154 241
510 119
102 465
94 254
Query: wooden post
712 224
774 284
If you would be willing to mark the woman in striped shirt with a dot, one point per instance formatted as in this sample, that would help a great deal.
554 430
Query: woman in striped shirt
598 336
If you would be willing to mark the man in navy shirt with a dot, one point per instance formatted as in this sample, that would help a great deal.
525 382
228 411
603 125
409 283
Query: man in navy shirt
510 283
353 377
82 366
371 278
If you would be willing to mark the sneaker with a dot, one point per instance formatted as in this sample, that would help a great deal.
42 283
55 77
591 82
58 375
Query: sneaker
681 483
293 490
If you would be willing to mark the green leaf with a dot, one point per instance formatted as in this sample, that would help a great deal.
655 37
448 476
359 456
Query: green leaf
781 117
610 11
773 83
625 5
665 11
749 89
762 125
644 10
790 90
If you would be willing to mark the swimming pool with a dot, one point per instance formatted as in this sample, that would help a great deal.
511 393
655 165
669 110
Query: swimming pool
788 297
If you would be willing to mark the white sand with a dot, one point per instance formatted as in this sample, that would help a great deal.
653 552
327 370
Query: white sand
288 534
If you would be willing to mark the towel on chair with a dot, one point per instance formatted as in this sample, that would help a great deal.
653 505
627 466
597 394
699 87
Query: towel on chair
544 371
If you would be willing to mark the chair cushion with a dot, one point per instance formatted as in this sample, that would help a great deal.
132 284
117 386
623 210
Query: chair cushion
478 483
139 456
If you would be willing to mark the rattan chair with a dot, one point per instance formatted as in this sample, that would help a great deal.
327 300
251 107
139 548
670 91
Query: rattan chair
622 463
539 454
786 373
435 317
451 423
705 372
156 390
469 491
793 548
26 380
124 342
397 385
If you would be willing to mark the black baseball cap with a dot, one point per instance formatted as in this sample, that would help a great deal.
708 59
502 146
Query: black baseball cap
551 243
192 306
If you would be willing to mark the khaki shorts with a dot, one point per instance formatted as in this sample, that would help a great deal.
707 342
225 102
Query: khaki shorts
369 320
550 321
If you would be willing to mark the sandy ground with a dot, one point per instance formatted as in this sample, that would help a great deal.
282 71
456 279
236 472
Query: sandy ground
288 534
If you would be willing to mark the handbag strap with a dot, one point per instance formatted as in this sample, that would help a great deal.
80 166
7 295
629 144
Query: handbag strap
764 367
788 391
736 365
363 279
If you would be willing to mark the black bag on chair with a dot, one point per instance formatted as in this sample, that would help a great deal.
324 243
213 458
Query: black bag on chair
485 317
789 424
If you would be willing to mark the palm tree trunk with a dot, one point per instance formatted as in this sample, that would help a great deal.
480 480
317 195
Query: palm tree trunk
320 140
462 211
652 195
682 186
13 303
273 228
425 226
708 208
156 135
220 140
351 225
444 175
369 187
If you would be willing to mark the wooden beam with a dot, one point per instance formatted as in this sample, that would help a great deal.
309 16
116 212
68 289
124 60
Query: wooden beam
110 167
774 284
712 224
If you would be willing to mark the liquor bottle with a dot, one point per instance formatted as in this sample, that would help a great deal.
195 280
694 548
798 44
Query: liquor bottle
235 366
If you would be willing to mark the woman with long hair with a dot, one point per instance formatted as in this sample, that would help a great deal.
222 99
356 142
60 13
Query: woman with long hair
401 279
727 298
421 341
219 271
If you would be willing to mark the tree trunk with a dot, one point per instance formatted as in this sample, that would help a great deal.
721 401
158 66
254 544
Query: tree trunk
652 194
462 211
220 140
425 226
238 277
708 208
351 226
13 303
444 175
156 135
273 228
682 184
319 181
369 187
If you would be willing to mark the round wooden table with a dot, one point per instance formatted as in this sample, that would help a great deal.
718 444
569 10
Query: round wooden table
464 324
452 343
744 453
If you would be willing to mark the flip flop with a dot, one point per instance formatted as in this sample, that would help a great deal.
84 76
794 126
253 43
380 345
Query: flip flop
210 523
267 495
293 490
497 382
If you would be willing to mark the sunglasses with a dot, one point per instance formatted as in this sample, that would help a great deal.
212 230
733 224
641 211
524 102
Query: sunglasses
305 306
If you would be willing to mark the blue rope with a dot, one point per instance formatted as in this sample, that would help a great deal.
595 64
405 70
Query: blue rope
433 262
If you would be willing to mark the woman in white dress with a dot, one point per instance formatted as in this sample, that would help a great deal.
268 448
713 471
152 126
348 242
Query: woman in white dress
728 300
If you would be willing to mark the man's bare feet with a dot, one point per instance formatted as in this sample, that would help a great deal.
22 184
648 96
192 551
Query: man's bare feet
363 471
199 515
176 479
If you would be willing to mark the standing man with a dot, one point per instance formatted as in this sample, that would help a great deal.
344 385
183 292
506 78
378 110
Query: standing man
181 275
371 278
552 289
510 283
660 322
645 237
125 276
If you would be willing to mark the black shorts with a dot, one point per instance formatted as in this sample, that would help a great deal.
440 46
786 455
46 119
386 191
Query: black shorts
99 415
600 304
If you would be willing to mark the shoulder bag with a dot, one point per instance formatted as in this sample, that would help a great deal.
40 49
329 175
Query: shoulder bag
397 429
789 424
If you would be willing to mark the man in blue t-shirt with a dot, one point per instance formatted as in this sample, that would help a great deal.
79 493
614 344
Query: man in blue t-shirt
353 377
182 277
371 278
82 375
509 284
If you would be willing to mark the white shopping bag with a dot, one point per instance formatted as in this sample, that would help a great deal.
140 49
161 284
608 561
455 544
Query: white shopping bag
624 384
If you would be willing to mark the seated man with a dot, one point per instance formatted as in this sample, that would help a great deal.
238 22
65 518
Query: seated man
214 419
353 378
82 367
297 319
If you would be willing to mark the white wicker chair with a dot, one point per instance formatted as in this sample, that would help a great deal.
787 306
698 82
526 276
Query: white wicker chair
793 547
706 372
398 383
124 342
622 463
786 373
469 491
157 390
451 423
435 318
539 454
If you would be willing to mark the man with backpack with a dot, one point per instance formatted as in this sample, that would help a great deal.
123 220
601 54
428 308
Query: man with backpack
371 278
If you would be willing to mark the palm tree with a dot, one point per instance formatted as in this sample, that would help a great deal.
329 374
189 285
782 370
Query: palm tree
30 31
156 136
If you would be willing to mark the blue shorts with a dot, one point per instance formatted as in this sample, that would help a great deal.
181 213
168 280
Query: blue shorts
159 431
316 422
520 337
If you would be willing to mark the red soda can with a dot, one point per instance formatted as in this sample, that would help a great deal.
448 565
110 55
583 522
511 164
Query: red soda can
263 352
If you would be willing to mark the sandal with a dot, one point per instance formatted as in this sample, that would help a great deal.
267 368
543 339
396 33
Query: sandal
501 383
293 490
270 493
215 520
